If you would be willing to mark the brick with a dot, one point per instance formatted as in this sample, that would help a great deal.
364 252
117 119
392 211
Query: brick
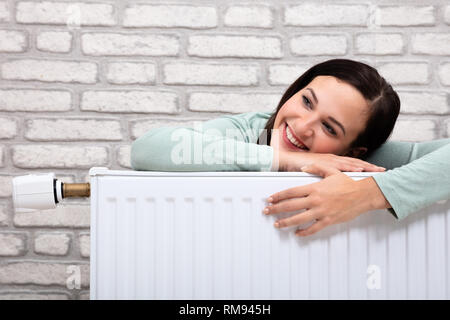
54 244
423 102
112 44
71 13
211 74
12 244
405 73
30 295
72 129
5 186
58 156
249 16
379 43
4 216
13 41
414 130
431 43
170 16
285 74
85 245
2 156
8 128
85 296
306 45
41 273
140 127
444 73
233 102
130 101
447 15
311 14
63 216
35 100
50 71
131 73
405 16
51 41
123 156
234 46
4 12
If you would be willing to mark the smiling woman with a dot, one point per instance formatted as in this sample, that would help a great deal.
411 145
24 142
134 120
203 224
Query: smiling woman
334 117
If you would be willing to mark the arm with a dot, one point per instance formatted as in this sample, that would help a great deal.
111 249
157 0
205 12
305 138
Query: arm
222 144
424 179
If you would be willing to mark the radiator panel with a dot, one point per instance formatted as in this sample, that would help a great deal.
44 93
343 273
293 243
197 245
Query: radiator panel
203 236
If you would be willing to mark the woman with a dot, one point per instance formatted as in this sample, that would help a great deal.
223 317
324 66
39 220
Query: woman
335 112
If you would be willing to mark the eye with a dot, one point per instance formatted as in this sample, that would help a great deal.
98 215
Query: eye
306 102
329 129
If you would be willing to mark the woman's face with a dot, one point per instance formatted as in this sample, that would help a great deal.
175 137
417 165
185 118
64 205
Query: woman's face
326 116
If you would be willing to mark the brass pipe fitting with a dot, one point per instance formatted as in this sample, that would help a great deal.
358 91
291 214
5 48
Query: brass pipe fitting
76 190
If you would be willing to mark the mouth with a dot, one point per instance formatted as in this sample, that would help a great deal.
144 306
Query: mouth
291 140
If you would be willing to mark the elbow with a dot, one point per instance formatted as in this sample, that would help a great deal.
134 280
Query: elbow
137 156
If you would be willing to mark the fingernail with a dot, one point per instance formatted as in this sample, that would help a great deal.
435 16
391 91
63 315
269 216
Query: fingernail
304 168
276 224
270 199
266 210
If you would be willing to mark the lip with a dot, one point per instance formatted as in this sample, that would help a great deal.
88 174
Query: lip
288 143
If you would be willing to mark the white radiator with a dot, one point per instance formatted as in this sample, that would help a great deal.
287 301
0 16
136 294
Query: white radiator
158 235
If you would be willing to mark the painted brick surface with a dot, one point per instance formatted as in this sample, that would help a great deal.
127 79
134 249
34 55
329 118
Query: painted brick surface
79 81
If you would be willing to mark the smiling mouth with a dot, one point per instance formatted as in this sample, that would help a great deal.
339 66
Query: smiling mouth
292 140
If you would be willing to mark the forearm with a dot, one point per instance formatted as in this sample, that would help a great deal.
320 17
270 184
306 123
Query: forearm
184 149
418 184
371 196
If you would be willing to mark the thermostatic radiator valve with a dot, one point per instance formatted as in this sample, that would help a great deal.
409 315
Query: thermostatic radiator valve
43 191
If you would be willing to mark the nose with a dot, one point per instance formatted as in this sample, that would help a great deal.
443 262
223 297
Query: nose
304 126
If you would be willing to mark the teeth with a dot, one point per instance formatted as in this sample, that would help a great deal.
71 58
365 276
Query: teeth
293 140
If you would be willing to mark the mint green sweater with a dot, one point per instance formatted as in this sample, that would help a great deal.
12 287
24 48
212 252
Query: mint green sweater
418 174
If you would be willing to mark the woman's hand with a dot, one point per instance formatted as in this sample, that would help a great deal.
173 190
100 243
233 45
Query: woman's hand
294 161
335 199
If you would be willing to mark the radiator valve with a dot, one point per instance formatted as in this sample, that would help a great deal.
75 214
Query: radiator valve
43 191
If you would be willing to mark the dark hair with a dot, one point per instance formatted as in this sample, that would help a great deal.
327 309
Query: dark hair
384 103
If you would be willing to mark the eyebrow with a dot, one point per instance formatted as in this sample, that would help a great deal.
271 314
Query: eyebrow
330 118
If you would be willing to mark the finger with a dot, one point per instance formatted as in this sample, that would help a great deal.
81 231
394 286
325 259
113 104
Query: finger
296 220
321 170
288 205
319 225
295 192
366 165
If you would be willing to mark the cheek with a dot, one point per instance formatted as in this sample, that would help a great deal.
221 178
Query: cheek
325 144
288 110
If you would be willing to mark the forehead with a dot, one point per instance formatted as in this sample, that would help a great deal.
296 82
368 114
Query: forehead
340 100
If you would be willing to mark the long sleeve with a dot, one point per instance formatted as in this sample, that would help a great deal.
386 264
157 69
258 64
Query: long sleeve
420 174
227 143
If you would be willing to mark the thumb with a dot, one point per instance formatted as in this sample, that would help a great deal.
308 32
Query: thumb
320 170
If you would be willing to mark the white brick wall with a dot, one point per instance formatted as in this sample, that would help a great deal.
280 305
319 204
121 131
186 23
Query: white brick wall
54 244
79 81
211 74
72 129
13 41
131 73
50 71
170 16
54 41
249 16
4 11
12 244
405 16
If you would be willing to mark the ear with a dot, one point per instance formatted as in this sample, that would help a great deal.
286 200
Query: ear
356 152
